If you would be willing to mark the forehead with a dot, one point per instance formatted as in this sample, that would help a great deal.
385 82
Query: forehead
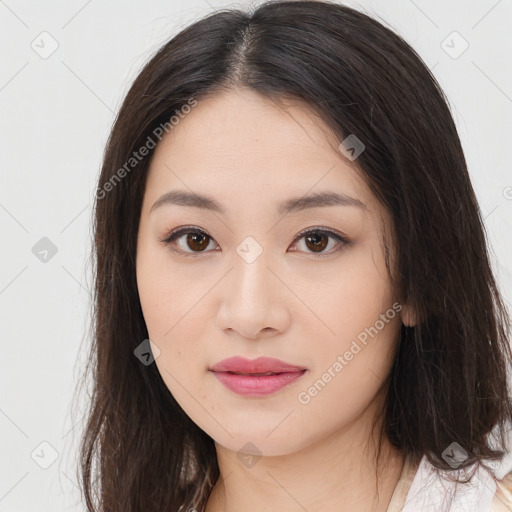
239 143
242 120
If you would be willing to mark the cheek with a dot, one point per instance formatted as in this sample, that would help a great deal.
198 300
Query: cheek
176 304
168 294
350 368
360 323
174 317
352 296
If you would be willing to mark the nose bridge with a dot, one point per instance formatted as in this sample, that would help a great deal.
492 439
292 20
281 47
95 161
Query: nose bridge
251 274
250 302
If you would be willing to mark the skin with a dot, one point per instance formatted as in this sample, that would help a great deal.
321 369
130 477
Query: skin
288 304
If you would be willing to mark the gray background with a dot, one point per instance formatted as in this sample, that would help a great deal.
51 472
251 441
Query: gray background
56 110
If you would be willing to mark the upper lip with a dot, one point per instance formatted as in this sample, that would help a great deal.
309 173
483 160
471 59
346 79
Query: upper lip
260 365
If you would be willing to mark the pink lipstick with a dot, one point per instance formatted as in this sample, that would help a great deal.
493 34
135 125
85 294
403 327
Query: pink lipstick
259 377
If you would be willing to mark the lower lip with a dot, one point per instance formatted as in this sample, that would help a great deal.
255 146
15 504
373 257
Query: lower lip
260 385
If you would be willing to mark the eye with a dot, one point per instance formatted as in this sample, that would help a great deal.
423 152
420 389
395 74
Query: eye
317 239
197 241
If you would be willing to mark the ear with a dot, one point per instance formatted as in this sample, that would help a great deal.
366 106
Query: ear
408 316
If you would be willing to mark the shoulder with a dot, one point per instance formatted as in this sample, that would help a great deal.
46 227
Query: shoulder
502 501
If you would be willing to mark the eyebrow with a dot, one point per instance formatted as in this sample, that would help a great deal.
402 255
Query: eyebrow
319 199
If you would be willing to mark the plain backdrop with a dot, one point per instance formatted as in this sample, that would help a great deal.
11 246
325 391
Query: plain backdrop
65 67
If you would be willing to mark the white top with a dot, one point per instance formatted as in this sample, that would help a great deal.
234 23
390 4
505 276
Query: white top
423 489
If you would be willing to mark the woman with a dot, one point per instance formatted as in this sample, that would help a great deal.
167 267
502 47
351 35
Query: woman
294 307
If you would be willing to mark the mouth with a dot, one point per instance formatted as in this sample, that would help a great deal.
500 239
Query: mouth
258 377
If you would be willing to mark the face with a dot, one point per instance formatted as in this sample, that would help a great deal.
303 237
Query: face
307 285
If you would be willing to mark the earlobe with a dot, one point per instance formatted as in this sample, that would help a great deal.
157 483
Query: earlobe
408 316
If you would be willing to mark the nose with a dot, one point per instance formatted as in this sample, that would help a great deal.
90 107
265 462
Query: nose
253 300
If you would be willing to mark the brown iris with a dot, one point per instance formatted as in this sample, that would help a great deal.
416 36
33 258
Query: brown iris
318 244
199 240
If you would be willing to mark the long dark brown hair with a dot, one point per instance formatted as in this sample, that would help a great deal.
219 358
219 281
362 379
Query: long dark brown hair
139 451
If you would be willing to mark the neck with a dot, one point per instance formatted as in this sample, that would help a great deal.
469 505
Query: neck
336 473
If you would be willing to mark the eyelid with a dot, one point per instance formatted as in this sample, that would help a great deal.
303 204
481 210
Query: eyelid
343 240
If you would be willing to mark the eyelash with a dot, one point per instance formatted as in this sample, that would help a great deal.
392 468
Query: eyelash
176 234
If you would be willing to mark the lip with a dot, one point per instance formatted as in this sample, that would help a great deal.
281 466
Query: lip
244 376
260 365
